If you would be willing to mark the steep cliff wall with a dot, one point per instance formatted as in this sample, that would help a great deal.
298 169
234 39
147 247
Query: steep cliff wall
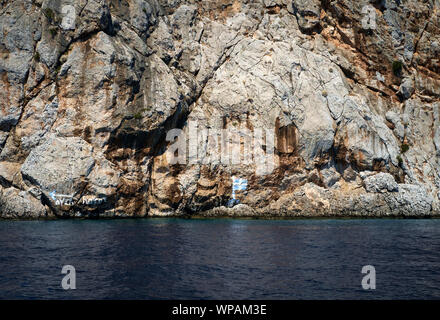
90 89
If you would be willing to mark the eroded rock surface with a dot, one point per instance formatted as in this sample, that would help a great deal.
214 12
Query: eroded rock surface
90 89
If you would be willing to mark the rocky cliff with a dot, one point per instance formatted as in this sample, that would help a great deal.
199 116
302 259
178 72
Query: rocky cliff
96 94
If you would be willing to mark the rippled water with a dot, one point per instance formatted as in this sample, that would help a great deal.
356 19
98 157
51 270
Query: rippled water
220 259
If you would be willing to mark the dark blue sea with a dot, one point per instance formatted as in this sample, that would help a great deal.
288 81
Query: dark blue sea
220 259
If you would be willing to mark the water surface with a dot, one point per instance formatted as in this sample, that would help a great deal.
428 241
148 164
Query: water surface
220 259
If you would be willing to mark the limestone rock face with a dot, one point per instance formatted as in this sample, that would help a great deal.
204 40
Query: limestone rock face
153 107
58 164
18 204
381 182
308 13
411 200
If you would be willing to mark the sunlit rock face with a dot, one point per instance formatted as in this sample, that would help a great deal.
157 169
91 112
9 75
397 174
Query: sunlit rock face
152 108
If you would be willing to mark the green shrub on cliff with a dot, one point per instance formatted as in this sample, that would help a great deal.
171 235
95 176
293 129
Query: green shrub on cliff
53 31
397 67
400 160
138 116
404 148
50 15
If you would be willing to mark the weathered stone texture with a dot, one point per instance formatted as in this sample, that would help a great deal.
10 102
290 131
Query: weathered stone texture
86 104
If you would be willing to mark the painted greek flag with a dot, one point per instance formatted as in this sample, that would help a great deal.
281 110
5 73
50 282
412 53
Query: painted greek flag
239 184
